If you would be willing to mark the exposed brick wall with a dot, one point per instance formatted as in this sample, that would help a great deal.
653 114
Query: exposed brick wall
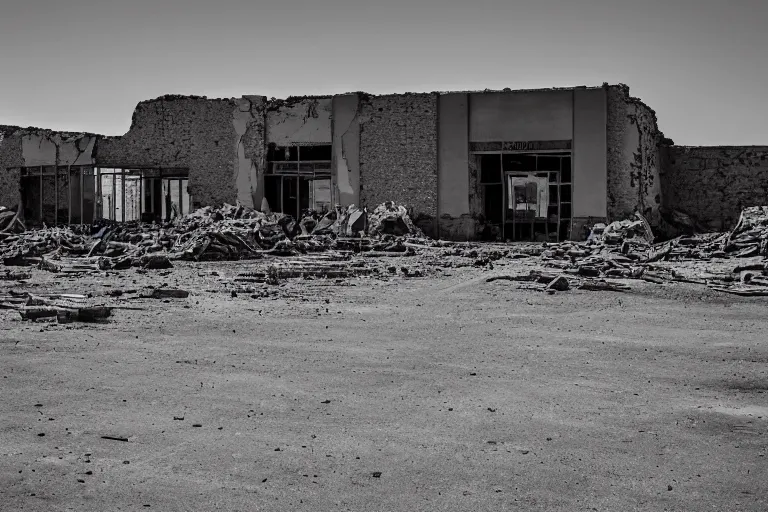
633 157
713 184
398 153
10 156
191 132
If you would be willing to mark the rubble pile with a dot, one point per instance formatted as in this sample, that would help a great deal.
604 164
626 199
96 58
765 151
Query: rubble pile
750 236
64 307
391 219
625 250
208 234
320 246
10 221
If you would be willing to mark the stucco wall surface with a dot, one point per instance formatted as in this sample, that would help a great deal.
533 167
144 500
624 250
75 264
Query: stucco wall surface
346 148
453 155
590 170
713 184
521 116
45 147
300 121
398 154
249 121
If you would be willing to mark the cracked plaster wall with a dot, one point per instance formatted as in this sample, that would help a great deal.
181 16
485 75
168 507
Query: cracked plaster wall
398 154
345 126
32 147
301 121
181 131
713 184
634 142
248 120
45 147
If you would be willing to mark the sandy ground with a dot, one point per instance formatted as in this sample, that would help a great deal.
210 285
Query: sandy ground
439 393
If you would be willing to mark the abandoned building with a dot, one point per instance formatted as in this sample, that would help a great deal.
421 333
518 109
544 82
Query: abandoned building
511 165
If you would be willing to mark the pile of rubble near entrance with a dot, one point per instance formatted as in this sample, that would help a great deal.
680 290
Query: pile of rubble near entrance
208 234
619 251
625 250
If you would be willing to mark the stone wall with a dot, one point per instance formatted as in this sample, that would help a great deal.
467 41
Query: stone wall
398 154
192 132
10 156
634 142
713 184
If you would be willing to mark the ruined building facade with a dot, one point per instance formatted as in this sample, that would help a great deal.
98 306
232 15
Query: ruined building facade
514 165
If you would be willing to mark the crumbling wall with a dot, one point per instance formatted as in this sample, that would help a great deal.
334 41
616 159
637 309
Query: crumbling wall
46 147
299 121
398 154
345 128
634 142
11 157
183 131
713 184
249 120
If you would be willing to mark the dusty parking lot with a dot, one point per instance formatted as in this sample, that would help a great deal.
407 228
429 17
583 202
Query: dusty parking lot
440 393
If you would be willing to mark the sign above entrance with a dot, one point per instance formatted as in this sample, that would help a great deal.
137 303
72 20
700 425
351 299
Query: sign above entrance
522 145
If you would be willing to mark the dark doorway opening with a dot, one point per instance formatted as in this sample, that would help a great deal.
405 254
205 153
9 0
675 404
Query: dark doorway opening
298 179
526 196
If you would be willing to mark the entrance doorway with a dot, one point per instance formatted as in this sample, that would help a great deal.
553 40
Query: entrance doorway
298 179
526 196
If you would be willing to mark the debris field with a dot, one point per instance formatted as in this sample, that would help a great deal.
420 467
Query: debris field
236 360
350 242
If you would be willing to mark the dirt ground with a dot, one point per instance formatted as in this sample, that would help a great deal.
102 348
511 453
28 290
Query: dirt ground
444 392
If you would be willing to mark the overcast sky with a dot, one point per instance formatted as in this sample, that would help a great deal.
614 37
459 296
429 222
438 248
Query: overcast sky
82 65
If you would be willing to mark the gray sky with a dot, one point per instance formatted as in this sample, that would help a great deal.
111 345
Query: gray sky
82 65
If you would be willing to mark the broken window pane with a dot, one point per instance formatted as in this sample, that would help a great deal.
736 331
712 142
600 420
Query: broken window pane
132 198
528 194
316 153
490 169
548 163
494 202
273 192
518 163
319 199
31 197
88 195
565 170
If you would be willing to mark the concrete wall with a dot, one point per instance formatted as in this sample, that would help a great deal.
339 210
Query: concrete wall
633 157
299 121
197 133
713 184
590 170
520 116
398 154
455 220
345 122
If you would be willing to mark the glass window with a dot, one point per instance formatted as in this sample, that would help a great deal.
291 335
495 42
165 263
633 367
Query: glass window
490 169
